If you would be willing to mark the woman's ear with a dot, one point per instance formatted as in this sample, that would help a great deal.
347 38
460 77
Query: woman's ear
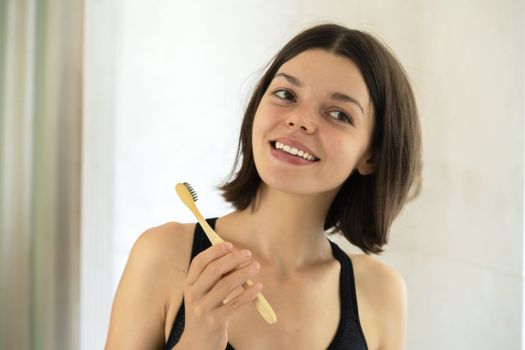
368 164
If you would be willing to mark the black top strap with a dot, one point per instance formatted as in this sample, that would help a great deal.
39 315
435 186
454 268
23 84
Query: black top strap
349 333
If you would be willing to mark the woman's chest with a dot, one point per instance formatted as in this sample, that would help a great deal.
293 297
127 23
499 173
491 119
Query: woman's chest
308 312
307 309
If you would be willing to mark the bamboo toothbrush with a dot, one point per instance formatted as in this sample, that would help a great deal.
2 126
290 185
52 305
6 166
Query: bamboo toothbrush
188 196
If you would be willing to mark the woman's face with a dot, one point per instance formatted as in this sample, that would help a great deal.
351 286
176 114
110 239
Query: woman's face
319 102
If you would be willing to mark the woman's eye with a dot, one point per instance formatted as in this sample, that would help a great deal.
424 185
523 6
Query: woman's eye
341 116
284 95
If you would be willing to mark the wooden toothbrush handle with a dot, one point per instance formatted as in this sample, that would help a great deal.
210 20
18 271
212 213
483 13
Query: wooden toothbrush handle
262 305
212 235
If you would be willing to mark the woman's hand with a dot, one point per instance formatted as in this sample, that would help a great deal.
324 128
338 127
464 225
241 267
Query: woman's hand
212 276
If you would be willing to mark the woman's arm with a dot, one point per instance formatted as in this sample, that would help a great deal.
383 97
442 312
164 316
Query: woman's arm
139 308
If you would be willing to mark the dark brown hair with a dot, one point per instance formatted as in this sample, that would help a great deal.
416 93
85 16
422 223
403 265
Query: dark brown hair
365 206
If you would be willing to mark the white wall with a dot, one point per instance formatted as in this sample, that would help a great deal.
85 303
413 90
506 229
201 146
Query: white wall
183 72
97 245
460 245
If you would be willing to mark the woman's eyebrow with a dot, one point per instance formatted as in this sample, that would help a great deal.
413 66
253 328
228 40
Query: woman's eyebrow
292 80
338 96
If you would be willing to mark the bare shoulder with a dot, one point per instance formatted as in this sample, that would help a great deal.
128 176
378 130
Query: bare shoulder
383 292
165 246
156 266
374 272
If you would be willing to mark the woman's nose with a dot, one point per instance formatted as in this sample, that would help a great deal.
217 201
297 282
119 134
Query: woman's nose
303 120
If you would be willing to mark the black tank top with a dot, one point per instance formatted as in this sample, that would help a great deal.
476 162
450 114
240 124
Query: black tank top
349 334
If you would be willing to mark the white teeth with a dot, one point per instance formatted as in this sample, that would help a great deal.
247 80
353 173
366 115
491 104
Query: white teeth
294 151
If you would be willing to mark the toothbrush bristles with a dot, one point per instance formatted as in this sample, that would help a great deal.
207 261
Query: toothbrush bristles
191 190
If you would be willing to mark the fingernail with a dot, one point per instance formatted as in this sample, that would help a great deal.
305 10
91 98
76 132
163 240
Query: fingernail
227 246
246 253
256 266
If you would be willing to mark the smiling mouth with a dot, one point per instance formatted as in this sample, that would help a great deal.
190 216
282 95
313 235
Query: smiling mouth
300 153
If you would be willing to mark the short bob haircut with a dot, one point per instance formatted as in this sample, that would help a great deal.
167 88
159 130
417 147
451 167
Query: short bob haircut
365 206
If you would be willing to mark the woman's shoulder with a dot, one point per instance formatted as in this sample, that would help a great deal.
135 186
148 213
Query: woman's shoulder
377 277
152 278
166 245
381 290
374 269
172 231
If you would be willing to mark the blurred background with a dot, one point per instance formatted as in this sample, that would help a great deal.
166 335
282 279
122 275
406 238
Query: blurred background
106 105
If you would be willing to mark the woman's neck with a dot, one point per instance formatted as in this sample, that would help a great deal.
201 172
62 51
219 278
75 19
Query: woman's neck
285 231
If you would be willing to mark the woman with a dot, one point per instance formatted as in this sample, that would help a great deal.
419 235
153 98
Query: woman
330 141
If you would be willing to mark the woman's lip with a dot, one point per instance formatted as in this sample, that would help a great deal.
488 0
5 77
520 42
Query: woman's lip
296 144
289 158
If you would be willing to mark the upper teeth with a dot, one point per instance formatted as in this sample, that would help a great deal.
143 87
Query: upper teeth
294 151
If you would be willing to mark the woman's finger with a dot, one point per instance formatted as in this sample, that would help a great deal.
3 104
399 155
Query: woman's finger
242 299
199 263
227 284
218 269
